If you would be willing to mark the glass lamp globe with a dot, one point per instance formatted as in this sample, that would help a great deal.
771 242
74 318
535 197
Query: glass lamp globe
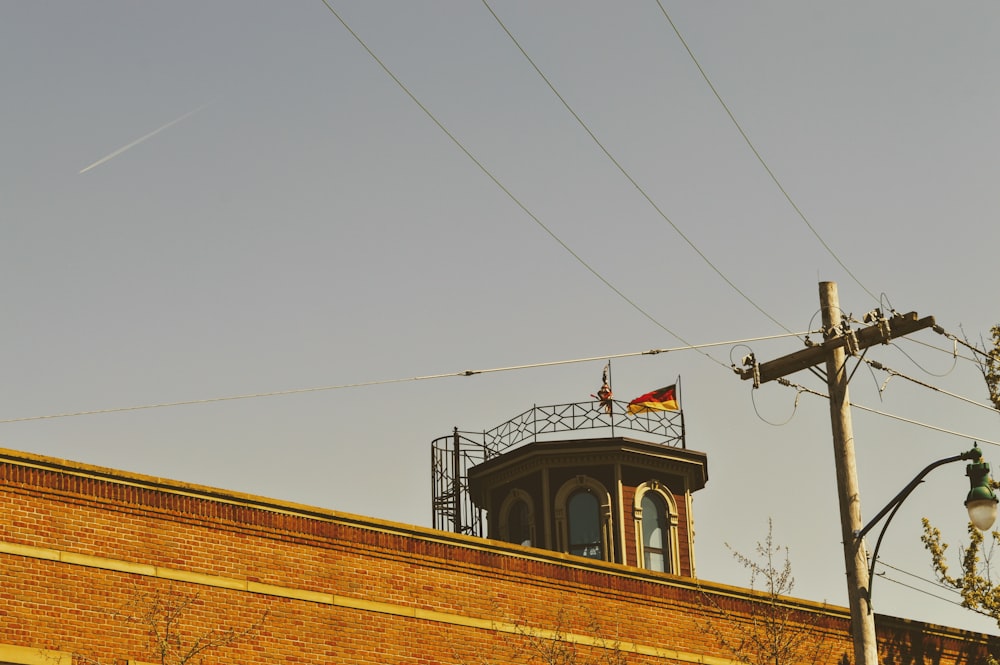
982 512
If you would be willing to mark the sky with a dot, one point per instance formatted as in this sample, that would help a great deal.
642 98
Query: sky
209 200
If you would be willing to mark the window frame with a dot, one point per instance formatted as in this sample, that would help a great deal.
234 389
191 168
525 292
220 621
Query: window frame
510 501
671 553
604 507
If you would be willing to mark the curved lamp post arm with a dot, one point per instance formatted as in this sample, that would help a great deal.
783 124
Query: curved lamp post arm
897 501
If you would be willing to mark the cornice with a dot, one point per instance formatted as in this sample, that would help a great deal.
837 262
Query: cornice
524 461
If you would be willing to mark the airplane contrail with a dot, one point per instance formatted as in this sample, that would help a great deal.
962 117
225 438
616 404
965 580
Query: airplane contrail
143 138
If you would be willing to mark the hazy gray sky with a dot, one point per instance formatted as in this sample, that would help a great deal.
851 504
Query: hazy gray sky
262 208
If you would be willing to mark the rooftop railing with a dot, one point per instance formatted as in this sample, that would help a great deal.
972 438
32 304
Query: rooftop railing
548 422
453 455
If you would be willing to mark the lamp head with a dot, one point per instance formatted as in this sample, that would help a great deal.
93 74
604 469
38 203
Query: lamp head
981 501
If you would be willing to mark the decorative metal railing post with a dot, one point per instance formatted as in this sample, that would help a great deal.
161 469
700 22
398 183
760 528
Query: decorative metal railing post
683 437
457 483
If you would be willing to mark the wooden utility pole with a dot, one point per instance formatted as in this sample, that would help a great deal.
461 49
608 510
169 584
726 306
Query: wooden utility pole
840 341
855 556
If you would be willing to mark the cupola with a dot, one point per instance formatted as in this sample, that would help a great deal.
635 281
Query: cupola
623 495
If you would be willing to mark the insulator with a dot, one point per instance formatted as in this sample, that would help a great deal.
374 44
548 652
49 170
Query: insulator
851 342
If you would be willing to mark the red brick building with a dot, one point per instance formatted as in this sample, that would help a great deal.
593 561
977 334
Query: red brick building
93 559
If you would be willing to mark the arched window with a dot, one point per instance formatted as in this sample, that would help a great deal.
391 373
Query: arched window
654 532
656 521
583 519
517 518
519 524
585 525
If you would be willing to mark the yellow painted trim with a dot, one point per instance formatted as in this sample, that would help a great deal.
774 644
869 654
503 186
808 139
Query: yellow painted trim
374 606
297 594
29 551
30 656
41 657
201 578
107 564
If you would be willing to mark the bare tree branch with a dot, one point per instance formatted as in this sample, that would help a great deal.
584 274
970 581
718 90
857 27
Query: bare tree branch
774 633
161 615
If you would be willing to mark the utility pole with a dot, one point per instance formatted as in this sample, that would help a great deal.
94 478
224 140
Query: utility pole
855 556
839 342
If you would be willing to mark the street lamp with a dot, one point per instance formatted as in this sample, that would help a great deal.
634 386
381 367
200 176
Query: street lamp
981 502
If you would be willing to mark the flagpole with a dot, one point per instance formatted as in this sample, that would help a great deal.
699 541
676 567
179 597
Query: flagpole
611 411
680 408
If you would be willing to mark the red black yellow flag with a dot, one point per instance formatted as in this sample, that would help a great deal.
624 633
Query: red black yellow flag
661 399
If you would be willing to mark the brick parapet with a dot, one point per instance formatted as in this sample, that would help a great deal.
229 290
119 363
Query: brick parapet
49 490
375 589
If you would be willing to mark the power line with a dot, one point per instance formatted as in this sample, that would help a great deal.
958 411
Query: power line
961 435
891 372
936 583
956 340
932 582
951 352
625 173
365 384
504 189
939 375
757 154
927 593
854 405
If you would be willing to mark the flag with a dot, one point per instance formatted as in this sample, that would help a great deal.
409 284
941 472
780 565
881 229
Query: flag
661 399
604 394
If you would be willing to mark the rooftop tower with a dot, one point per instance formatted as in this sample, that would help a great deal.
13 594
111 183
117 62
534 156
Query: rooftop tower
623 494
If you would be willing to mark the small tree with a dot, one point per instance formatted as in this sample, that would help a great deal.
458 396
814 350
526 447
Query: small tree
776 633
556 649
161 615
975 583
989 365
556 646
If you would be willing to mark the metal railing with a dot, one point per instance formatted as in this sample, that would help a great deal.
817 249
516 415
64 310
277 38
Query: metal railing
453 455
451 458
540 422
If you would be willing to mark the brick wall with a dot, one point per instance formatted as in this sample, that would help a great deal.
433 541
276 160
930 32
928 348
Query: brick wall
81 548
